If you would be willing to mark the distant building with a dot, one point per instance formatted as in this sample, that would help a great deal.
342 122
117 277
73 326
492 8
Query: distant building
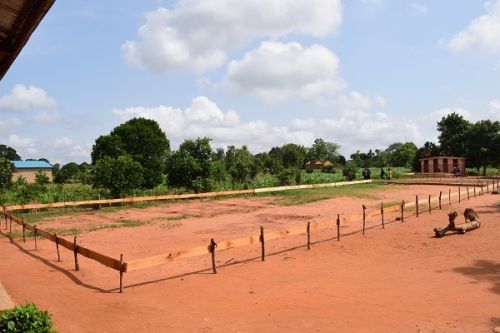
318 165
443 164
28 169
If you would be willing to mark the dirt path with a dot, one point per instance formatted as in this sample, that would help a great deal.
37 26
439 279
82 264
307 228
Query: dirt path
400 279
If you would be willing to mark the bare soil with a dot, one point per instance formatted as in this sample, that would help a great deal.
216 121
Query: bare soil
400 279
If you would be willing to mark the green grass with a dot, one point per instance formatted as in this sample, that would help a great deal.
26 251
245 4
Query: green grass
304 196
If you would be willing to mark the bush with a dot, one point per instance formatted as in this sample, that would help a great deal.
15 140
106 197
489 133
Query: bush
26 319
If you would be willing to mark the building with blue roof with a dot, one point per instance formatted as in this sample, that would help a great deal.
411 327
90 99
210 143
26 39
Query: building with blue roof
28 170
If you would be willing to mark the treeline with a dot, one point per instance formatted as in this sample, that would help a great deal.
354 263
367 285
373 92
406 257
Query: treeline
137 155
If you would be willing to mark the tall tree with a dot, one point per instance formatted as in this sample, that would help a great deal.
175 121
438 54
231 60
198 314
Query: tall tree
9 153
6 168
322 150
429 149
190 166
119 175
240 164
452 133
483 144
141 139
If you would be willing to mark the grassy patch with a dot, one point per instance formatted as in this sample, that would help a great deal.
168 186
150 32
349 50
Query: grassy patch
129 223
304 196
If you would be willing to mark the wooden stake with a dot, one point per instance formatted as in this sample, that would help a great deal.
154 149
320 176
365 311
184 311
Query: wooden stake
57 247
213 245
338 227
429 201
474 191
10 225
416 204
262 244
364 218
34 229
468 198
308 229
75 253
440 194
449 196
121 273
6 218
382 214
481 188
459 195
24 230
402 211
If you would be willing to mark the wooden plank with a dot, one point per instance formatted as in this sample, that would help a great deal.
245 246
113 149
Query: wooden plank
46 235
65 243
101 258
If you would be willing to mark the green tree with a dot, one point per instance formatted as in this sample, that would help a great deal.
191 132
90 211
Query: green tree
9 153
401 154
41 178
483 144
293 156
6 169
190 166
240 164
118 175
322 150
452 134
69 173
143 140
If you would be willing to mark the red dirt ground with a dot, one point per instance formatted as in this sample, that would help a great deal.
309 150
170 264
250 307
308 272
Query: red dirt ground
400 279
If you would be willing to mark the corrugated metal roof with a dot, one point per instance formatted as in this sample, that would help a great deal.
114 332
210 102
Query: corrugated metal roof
31 164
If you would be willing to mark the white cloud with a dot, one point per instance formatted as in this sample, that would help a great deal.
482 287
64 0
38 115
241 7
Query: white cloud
27 98
198 34
22 144
277 71
10 124
494 107
355 101
353 128
63 142
436 115
483 31
47 117
420 8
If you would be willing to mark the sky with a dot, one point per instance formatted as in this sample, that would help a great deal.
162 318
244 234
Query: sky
360 73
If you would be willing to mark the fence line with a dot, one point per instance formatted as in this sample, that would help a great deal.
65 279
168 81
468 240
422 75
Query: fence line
162 259
13 208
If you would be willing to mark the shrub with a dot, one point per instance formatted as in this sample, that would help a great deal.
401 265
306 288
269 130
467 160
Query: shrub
26 319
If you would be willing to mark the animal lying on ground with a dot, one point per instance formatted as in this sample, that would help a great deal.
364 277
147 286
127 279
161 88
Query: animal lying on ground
471 223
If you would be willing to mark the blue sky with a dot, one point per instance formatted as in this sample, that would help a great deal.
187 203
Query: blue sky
361 73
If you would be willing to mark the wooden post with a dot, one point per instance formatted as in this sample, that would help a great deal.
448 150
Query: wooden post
429 201
382 214
57 247
416 204
262 244
10 225
482 189
449 196
468 197
440 194
213 245
402 211
6 218
459 195
364 218
338 227
121 273
24 230
75 253
34 229
308 229
474 191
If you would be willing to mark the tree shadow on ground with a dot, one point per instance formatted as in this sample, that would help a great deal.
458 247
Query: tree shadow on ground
483 271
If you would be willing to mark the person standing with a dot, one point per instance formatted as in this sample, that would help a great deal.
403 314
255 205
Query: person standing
382 173
389 173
